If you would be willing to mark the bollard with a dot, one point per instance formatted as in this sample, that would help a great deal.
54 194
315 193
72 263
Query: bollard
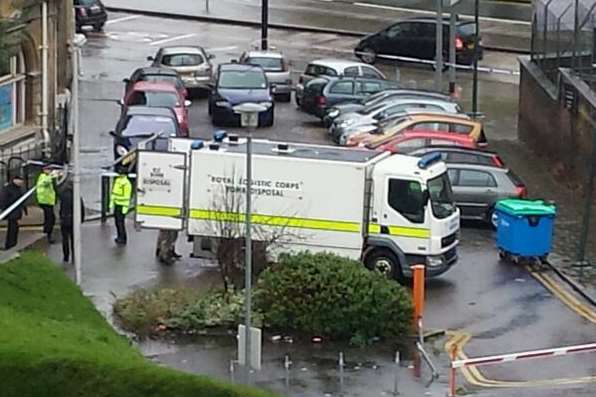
395 389
287 364
341 373
232 371
452 371
418 292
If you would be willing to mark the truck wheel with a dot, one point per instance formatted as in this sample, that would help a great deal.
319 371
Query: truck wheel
384 262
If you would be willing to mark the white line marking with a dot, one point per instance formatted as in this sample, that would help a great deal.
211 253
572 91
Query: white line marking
184 36
128 18
218 49
401 9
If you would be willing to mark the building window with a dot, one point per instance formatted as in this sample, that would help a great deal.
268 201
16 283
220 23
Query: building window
12 94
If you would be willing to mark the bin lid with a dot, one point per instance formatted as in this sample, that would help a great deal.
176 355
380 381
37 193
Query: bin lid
526 207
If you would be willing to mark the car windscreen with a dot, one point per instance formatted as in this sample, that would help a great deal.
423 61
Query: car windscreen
467 29
85 3
160 144
154 99
147 125
441 196
176 60
245 79
268 64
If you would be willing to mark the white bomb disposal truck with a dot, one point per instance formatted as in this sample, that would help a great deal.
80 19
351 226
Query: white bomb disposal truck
389 211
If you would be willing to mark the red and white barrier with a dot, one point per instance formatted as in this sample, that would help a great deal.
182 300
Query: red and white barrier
502 358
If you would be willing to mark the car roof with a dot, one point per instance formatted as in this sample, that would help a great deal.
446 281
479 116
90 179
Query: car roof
238 66
182 50
435 134
337 64
450 148
418 93
479 167
153 86
153 70
415 99
264 54
442 116
150 111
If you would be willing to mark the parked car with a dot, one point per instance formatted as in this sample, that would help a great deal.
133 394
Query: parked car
90 13
139 123
235 84
276 68
377 113
478 187
452 123
335 68
156 75
461 154
323 92
336 111
410 141
192 63
165 95
416 38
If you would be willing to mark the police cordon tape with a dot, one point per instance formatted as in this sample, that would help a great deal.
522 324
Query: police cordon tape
484 69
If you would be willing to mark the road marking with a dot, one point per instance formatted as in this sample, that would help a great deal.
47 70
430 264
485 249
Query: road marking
175 38
402 9
128 18
219 49
474 377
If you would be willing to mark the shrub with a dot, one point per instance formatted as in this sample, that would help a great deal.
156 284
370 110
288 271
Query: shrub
327 295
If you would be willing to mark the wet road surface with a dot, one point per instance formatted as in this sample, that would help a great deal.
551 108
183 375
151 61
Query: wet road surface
500 305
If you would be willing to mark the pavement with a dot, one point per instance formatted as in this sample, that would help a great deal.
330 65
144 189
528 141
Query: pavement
504 26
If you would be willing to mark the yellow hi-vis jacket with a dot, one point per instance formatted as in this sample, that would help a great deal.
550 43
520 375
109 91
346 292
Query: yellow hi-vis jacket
121 193
46 195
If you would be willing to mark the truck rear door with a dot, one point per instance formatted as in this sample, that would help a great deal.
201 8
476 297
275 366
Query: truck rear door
160 190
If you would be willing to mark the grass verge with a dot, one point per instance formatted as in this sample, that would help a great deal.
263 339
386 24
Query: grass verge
54 343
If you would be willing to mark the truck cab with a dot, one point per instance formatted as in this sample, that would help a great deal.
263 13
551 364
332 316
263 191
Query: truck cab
413 218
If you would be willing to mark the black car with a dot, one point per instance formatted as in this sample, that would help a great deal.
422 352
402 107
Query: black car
139 123
416 38
236 84
458 154
90 13
324 92
153 74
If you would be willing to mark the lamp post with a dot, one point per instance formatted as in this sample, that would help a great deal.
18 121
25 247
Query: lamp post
249 118
77 42
476 54
264 24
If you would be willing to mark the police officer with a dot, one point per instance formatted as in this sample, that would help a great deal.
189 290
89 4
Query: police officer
120 202
46 198
11 192
66 221
166 246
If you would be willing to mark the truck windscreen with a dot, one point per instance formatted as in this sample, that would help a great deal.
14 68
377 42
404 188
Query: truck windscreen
441 196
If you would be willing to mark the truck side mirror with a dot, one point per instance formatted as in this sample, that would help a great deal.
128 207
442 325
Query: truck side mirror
112 133
150 58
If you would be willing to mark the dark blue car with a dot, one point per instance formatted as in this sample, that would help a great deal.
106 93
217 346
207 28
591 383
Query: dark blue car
236 84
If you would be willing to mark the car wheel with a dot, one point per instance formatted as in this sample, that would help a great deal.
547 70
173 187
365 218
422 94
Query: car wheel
386 263
492 219
285 97
98 27
270 117
368 55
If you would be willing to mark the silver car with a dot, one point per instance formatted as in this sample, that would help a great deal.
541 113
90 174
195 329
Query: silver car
192 64
335 68
373 114
276 69
478 187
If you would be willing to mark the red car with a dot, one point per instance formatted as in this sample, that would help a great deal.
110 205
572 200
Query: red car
409 141
163 95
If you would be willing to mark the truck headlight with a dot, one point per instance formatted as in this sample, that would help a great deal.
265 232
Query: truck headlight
434 261
121 150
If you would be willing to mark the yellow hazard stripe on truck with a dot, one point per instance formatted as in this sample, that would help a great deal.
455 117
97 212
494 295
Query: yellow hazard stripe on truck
158 210
283 221
415 232
305 223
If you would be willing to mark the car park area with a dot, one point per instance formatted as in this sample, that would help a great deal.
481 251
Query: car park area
501 304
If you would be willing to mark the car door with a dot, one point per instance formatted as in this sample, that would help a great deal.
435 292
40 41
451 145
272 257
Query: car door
474 191
397 39
364 89
340 91
425 40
